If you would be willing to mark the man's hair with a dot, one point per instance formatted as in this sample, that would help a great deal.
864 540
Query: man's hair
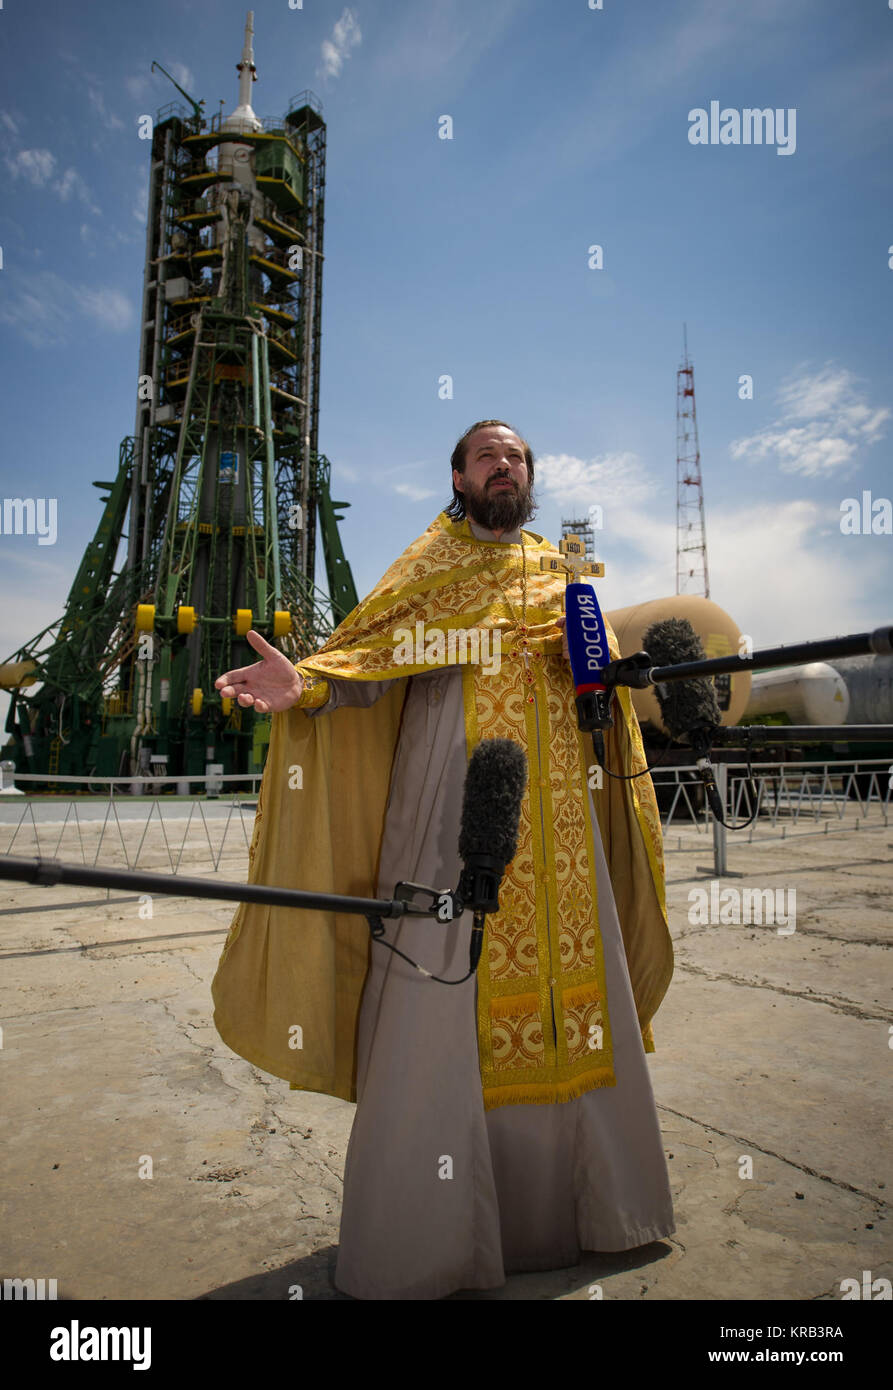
456 509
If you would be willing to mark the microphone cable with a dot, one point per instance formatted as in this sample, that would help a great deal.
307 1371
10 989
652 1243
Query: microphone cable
376 927
689 710
488 841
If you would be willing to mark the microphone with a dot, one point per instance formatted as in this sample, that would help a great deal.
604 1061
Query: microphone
685 705
488 833
587 641
689 708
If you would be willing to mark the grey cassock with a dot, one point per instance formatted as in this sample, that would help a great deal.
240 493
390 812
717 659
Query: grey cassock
439 1194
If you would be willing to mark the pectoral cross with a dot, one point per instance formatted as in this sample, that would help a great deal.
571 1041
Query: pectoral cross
572 561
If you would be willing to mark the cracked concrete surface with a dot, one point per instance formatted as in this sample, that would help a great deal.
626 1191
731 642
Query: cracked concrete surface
773 1058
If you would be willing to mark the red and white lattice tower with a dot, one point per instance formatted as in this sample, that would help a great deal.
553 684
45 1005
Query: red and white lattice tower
691 537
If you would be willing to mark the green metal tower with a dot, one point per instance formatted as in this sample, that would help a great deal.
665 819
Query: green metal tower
210 527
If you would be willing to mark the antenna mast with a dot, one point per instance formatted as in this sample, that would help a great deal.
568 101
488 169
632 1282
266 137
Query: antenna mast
691 537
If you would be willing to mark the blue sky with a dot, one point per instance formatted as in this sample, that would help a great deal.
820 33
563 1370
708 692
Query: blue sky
469 257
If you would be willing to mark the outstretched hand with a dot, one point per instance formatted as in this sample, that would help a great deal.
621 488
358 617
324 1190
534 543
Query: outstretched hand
271 685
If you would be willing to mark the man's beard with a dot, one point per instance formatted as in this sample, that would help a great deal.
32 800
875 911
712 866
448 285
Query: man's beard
498 509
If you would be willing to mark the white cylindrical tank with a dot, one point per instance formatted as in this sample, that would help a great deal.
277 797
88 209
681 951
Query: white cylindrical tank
869 683
813 694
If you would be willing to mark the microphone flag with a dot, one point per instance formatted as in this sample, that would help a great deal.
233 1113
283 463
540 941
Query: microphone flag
587 638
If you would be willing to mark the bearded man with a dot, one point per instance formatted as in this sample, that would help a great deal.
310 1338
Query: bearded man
507 1123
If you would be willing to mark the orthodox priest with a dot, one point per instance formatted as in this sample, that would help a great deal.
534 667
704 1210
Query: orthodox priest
507 1123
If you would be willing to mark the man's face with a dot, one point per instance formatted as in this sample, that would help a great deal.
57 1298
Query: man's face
495 485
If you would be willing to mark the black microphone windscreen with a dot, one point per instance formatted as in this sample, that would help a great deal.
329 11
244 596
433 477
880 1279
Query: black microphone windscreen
685 705
491 803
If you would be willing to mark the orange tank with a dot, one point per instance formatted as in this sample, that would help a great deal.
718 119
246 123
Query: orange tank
719 634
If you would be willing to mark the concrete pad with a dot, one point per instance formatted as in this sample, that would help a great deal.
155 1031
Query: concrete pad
773 1049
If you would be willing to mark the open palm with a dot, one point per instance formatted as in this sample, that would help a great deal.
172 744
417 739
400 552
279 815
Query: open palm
270 685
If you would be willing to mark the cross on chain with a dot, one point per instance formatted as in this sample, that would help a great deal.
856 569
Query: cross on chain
572 561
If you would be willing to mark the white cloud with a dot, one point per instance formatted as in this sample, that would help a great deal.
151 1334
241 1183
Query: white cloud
413 492
345 36
147 88
825 420
182 74
809 583
44 307
141 204
71 184
138 87
34 165
638 550
108 118
9 122
804 586
424 41
38 167
634 540
31 308
809 450
607 479
110 308
791 593
803 397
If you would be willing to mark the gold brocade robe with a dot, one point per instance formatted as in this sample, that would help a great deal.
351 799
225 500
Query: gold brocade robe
288 988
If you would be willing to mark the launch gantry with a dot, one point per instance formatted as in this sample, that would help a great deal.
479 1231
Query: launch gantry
210 526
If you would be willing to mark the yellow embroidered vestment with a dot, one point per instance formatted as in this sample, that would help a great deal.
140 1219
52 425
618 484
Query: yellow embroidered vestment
543 1017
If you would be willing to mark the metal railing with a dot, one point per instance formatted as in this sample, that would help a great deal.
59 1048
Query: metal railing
793 800
94 824
270 125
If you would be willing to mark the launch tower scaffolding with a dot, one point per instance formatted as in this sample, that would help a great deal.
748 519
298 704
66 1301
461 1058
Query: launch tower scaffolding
221 488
